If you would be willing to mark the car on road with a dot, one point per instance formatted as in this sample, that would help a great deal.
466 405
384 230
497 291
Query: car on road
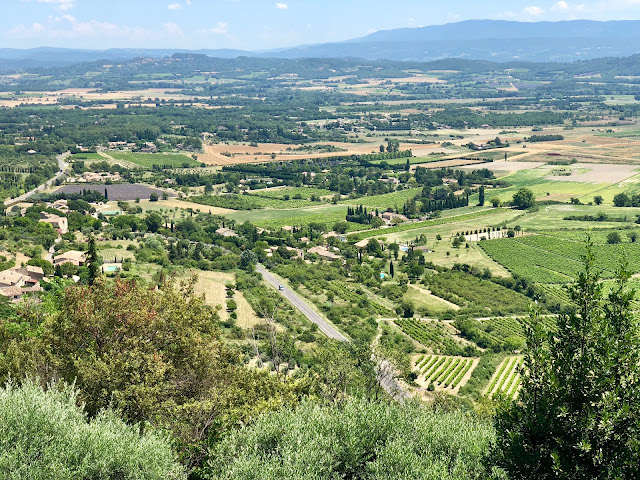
280 287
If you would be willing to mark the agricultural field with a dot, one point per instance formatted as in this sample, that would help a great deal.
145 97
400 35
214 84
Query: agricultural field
446 373
506 380
150 160
119 191
437 336
552 258
475 295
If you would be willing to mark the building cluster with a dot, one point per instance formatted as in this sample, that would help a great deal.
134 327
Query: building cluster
17 281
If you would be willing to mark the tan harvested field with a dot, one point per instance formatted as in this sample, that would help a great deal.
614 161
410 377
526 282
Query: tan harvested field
177 203
596 173
243 153
212 285
247 318
53 97
418 79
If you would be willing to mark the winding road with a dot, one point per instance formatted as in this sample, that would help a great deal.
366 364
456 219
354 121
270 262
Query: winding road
62 166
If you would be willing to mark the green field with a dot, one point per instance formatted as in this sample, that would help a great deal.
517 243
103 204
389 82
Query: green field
149 160
554 258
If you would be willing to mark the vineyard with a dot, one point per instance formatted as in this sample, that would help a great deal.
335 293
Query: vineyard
475 295
507 378
443 372
501 333
434 335
554 259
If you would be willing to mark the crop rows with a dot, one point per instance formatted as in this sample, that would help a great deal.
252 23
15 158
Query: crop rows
429 334
349 295
500 328
551 259
507 378
444 372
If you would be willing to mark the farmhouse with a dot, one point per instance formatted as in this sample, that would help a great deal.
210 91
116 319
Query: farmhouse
226 232
32 274
61 224
92 177
339 236
61 204
324 254
12 278
73 256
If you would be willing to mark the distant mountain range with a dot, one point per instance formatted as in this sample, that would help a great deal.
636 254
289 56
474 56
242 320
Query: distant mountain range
495 40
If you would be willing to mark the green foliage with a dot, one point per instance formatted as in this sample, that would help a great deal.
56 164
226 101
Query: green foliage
434 335
154 355
358 440
523 199
578 414
45 435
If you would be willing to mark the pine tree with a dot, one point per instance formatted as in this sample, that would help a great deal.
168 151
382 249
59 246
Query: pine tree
391 272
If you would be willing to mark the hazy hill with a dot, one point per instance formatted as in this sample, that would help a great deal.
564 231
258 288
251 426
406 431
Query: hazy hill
495 40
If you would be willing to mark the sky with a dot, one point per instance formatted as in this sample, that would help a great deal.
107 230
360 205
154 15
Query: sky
260 24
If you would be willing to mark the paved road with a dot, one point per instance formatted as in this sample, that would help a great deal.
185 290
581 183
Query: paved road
384 373
300 304
62 166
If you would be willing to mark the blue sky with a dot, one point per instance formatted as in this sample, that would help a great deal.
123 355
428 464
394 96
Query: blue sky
260 24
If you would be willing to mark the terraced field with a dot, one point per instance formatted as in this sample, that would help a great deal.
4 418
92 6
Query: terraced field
444 372
506 379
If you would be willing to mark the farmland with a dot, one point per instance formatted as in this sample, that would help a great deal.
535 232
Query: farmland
553 258
150 160
289 167
444 373
506 380
116 191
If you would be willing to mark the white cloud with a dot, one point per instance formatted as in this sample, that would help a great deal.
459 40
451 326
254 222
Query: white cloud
173 29
174 6
68 27
282 6
561 5
220 28
62 5
533 11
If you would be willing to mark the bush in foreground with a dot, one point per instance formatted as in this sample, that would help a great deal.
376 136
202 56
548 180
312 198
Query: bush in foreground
45 435
358 440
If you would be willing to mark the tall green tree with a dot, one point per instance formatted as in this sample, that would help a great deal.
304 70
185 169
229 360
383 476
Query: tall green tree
578 413
481 196
93 261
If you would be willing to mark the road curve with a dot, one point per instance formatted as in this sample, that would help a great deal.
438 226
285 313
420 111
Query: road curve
62 166
301 305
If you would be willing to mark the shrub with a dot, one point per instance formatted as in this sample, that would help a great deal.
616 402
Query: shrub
45 435
356 440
